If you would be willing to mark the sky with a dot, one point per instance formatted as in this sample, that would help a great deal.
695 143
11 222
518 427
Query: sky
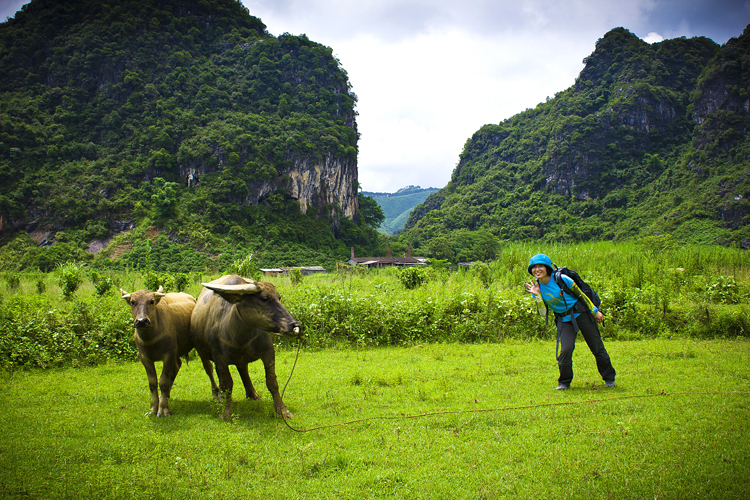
430 73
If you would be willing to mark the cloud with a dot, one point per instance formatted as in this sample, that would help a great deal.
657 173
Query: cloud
653 37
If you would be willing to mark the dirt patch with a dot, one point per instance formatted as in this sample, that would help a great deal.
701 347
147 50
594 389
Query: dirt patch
120 250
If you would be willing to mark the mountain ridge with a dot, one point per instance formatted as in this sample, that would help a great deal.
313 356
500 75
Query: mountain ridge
620 154
398 205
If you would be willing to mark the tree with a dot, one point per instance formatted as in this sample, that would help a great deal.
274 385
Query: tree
164 199
370 212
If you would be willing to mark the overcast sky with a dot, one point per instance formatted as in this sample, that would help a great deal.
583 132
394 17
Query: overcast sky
430 73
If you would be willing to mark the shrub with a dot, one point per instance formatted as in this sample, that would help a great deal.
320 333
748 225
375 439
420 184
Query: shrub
723 290
295 276
412 277
246 267
70 278
152 281
13 281
181 280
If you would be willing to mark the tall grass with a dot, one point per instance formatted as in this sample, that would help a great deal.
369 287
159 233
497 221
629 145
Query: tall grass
647 291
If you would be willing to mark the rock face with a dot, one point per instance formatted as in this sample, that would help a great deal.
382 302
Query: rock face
323 186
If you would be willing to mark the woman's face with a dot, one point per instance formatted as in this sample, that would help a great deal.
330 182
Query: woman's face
539 271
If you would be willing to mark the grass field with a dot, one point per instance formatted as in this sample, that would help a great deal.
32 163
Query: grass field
494 427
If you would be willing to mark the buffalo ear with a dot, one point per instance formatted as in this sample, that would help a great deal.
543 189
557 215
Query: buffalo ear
232 298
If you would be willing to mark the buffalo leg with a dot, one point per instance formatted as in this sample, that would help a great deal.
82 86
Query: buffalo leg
152 384
225 387
269 362
250 391
168 373
209 368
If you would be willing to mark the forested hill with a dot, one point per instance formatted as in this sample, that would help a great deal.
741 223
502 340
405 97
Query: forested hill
650 141
180 118
397 206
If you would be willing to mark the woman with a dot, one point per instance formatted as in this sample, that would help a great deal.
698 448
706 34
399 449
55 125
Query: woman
573 312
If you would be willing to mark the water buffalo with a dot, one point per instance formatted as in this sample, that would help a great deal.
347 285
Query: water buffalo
162 333
231 325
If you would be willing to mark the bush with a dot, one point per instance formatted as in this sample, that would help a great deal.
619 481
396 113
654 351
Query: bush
13 281
151 281
246 267
70 278
295 276
181 280
412 277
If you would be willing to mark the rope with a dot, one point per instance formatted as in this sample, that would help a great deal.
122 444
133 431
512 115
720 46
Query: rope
486 410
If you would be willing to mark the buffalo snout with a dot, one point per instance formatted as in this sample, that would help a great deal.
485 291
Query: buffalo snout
141 322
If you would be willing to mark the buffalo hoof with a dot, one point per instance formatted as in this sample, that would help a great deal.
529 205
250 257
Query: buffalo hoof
285 413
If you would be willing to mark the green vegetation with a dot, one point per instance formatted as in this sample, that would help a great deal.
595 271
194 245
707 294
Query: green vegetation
651 140
491 427
648 291
180 115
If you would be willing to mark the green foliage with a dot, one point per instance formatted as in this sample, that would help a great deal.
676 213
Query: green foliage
102 284
295 277
176 282
687 292
246 267
723 289
152 281
164 199
181 281
13 281
171 115
40 331
412 277
70 277
370 211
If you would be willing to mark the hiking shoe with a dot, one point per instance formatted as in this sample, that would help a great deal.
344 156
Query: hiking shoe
562 387
610 384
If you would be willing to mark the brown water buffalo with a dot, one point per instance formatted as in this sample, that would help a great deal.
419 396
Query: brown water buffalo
162 333
231 325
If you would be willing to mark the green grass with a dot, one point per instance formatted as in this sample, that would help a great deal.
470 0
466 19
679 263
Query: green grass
495 429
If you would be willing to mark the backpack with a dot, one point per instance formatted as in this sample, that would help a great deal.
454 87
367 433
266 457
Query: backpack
585 287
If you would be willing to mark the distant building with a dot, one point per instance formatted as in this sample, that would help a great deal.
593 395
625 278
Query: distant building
377 262
284 271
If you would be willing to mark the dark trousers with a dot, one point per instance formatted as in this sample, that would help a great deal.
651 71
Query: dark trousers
567 335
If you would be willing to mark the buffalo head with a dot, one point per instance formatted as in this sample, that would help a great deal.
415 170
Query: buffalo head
258 304
142 305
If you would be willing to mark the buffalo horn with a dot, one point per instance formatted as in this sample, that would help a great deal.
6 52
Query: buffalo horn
233 289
